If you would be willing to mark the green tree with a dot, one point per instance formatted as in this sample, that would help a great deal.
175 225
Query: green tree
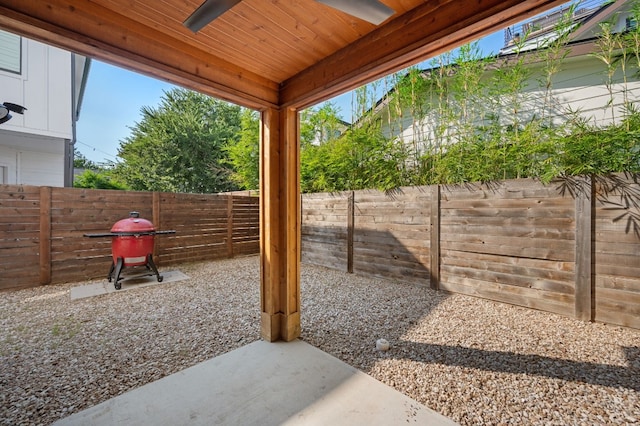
320 125
98 180
180 146
244 152
82 162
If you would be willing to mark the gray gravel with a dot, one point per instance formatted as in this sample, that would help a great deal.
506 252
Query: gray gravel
476 361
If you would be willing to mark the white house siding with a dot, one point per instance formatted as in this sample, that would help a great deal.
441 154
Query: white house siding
580 86
31 160
32 145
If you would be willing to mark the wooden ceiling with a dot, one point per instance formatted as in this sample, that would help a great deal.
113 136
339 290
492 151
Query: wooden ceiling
262 53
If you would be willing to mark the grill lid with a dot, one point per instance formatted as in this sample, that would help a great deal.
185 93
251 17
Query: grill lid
134 224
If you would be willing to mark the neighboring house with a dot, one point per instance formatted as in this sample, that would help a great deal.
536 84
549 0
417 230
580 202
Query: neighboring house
580 86
36 148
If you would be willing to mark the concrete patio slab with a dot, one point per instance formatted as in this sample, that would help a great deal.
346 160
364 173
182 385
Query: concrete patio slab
263 384
105 287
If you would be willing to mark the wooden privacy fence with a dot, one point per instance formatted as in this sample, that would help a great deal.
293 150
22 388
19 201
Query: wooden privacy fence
41 230
571 247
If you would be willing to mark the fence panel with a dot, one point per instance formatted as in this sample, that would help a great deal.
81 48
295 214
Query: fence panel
200 222
617 250
571 247
324 229
512 242
42 230
75 212
246 226
19 236
392 232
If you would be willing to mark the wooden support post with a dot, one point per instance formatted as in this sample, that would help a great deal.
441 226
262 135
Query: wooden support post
434 248
584 291
280 225
350 228
45 235
229 225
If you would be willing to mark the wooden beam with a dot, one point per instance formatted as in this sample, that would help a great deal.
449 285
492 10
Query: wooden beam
280 221
424 32
95 31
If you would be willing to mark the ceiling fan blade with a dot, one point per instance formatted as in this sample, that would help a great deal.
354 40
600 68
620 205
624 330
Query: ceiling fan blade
368 10
207 12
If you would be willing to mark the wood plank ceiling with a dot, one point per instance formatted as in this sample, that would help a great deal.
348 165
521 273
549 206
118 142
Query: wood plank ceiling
261 53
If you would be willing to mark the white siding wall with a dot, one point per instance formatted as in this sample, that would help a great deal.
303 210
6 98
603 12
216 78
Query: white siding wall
31 160
579 86
32 145
39 167
44 88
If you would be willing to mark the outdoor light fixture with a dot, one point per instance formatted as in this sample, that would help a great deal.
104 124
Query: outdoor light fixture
373 11
8 106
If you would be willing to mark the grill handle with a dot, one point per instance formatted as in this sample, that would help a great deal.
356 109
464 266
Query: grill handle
127 234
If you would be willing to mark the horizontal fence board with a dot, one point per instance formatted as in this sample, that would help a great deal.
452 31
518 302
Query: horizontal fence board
20 217
506 250
397 255
509 230
518 266
507 278
614 234
13 254
617 250
617 317
507 240
556 204
617 271
624 300
505 213
617 283
391 270
567 223
18 260
617 258
524 297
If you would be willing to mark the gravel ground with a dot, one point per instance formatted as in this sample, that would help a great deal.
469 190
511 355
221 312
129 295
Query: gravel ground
476 361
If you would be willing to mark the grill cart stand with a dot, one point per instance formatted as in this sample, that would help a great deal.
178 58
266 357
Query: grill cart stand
132 242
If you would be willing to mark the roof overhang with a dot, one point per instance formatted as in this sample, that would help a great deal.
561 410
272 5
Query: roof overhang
261 54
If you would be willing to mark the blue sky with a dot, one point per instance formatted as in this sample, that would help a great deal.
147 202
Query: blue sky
114 96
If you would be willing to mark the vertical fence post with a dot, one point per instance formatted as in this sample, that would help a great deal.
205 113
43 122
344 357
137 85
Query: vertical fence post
350 225
155 218
434 250
45 235
230 225
583 277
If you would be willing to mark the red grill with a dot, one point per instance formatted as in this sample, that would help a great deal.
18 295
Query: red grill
132 242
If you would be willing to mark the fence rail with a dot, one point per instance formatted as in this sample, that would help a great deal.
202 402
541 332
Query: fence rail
571 247
42 228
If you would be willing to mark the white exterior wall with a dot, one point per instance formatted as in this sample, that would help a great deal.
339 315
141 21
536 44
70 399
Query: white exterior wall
31 160
579 87
32 145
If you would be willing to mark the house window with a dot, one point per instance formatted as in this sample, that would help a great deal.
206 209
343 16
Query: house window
10 52
3 175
